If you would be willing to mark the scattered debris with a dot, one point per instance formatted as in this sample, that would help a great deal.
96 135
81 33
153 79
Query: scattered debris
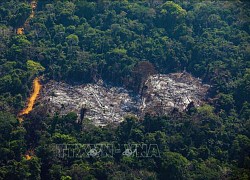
104 104
166 93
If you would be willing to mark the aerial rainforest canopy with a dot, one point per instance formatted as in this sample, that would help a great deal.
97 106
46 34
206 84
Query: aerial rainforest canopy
121 45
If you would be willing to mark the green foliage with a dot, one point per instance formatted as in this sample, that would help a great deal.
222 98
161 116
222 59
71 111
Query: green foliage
173 166
34 67
72 39
123 42
173 10
63 138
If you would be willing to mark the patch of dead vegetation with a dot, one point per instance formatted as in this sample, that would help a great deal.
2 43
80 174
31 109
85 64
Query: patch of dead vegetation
161 94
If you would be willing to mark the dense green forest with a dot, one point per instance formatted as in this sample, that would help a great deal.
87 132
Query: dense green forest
81 41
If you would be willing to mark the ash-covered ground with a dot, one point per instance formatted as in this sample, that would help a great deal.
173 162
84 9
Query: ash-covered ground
104 104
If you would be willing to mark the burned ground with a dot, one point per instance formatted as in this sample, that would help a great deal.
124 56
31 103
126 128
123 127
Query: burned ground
104 104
